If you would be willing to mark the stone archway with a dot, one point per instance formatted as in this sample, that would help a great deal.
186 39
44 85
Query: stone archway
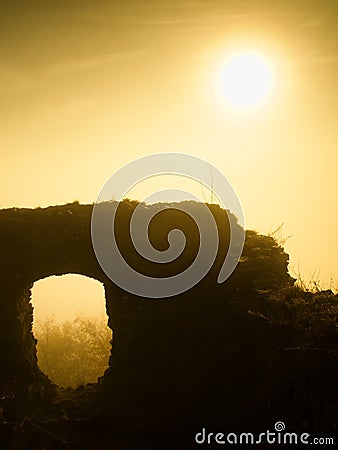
37 244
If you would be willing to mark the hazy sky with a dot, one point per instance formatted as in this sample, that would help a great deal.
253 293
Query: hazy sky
87 86
67 297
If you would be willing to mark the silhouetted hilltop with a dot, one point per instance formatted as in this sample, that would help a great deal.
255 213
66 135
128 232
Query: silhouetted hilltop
232 357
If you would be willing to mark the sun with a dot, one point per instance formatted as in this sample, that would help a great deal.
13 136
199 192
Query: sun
245 81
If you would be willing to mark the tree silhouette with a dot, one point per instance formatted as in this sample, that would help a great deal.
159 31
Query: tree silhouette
75 352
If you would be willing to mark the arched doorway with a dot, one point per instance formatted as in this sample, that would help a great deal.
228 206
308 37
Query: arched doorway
70 325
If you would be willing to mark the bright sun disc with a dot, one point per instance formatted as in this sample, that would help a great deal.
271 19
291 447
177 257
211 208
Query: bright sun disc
245 81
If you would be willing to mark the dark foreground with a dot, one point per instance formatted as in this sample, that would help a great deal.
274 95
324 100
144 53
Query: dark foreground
232 358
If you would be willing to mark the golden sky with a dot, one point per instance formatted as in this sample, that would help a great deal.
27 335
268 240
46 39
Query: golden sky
86 87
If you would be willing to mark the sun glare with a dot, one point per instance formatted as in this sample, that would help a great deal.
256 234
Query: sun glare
245 81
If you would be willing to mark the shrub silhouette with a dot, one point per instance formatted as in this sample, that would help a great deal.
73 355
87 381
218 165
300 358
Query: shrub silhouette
75 352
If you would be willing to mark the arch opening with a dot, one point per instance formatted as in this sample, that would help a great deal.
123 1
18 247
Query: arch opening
70 325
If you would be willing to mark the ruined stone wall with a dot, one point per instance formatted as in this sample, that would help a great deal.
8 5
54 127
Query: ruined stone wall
169 357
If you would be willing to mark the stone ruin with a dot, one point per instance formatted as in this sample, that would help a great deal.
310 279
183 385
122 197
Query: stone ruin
176 365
